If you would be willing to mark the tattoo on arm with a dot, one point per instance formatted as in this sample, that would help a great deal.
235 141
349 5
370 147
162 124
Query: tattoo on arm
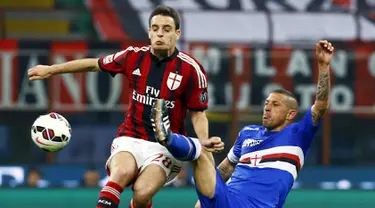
225 172
322 96
322 92
317 116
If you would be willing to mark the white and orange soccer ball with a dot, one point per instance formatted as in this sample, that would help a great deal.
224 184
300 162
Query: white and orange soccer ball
51 132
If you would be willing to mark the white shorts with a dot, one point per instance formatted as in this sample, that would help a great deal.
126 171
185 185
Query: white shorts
146 153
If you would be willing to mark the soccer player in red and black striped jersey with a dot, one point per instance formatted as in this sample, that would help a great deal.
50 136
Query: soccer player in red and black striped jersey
156 71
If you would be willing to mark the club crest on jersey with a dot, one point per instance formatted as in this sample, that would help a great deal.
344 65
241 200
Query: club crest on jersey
174 81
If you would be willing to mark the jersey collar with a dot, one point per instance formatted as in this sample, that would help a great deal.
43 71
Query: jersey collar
169 58
269 133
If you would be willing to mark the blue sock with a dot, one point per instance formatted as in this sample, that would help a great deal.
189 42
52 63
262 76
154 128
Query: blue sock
184 148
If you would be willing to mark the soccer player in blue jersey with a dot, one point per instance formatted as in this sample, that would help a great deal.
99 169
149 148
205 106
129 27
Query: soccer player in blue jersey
265 160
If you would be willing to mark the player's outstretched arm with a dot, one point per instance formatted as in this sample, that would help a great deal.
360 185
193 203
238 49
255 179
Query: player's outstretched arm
76 66
324 52
200 124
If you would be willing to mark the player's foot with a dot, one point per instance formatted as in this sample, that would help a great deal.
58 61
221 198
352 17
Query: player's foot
160 122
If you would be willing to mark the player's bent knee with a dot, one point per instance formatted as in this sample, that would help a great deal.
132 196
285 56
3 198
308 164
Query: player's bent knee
148 183
143 195
122 175
207 191
123 168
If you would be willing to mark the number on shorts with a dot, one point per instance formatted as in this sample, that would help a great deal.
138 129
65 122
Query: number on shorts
157 159
167 162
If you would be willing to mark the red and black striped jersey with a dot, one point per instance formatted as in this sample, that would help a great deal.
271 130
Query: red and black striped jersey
179 79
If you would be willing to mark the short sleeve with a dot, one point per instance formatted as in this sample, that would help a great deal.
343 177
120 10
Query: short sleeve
197 96
235 152
115 63
307 128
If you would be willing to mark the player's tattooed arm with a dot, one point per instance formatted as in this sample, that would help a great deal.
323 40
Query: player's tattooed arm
322 92
322 96
226 169
324 51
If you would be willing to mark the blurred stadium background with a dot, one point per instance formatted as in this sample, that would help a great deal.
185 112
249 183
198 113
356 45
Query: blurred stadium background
248 47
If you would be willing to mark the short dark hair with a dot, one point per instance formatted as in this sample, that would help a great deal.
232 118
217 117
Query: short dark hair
166 11
288 94
284 92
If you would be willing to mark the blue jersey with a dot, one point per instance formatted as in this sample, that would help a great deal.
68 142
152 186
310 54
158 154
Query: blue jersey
268 162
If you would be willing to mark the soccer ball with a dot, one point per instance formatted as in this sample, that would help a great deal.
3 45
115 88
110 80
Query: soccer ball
51 132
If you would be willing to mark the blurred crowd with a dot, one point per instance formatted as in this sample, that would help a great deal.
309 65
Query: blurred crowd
92 178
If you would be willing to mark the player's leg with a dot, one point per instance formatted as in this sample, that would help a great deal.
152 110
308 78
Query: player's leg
204 174
189 149
186 149
212 190
220 199
121 175
122 168
159 168
149 182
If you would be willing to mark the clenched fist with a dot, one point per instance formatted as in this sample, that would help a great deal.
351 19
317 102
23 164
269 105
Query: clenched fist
214 144
324 52
40 72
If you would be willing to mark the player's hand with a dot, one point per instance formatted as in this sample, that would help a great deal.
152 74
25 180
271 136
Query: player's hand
40 72
213 144
324 52
198 204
